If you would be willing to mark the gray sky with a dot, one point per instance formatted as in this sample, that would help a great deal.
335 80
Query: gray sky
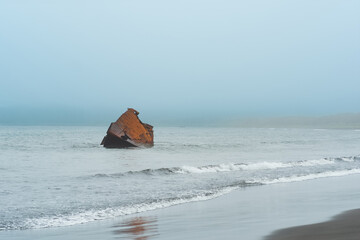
174 59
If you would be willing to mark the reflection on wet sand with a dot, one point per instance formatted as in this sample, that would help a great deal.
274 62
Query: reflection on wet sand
137 228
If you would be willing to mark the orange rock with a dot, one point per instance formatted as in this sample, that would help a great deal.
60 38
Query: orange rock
129 131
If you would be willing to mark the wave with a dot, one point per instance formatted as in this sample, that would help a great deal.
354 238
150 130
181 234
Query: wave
264 165
159 171
77 216
111 212
228 167
299 178
81 217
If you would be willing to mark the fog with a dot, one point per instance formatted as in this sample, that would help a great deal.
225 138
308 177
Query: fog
177 62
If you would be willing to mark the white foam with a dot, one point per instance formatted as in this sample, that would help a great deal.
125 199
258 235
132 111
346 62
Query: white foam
310 176
310 163
93 215
99 214
253 166
265 165
211 169
348 159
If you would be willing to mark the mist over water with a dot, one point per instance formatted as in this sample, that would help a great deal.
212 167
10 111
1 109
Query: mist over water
177 62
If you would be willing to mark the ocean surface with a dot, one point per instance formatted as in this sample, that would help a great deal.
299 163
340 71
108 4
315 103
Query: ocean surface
60 176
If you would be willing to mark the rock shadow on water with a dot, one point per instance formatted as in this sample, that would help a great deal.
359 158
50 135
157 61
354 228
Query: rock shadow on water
137 228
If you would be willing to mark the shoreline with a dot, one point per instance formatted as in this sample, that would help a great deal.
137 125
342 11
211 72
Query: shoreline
343 226
251 213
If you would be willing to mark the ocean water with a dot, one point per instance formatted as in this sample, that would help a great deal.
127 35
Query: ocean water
61 176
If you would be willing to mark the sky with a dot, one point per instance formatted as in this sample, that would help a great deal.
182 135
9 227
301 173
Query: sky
86 61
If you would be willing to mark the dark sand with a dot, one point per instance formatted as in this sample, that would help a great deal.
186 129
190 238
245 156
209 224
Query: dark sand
345 226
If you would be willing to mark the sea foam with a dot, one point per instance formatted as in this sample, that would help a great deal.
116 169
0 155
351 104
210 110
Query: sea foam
228 167
300 178
101 214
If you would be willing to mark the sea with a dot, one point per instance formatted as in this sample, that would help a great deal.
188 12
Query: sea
58 176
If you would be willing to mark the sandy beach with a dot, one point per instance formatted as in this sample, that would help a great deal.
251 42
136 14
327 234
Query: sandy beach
345 226
251 213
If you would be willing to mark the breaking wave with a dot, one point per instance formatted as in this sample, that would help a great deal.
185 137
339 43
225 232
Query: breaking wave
299 178
62 220
260 173
228 167
80 217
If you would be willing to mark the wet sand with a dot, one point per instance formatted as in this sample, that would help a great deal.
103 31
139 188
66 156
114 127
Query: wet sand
345 226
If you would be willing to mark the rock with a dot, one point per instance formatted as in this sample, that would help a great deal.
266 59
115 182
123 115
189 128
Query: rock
129 131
